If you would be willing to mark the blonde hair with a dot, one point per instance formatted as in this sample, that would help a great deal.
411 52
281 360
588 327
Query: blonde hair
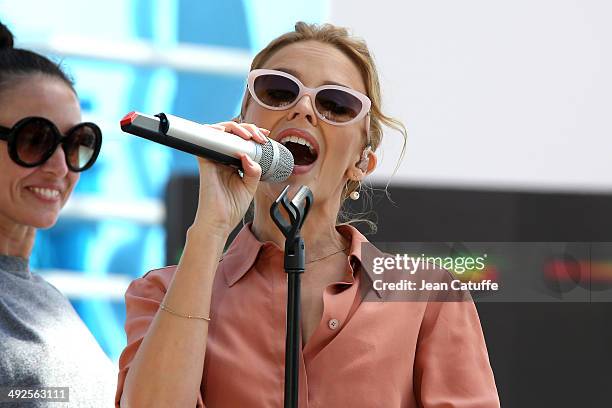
357 50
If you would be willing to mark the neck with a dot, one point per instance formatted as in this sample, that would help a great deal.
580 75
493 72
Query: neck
16 239
319 230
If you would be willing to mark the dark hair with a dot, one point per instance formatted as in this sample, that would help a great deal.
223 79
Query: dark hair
16 62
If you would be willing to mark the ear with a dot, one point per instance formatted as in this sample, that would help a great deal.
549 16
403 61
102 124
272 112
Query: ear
365 165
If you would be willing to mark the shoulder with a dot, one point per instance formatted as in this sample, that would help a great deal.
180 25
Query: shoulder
154 283
50 291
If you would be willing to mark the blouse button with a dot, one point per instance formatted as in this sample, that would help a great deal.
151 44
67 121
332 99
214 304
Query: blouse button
333 324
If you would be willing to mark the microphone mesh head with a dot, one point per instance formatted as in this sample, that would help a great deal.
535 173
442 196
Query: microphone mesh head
275 169
267 154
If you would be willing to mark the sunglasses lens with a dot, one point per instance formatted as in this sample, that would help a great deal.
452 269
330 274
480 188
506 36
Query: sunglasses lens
337 105
34 142
275 91
81 146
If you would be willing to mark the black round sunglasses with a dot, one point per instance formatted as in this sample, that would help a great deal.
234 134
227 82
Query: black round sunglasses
33 140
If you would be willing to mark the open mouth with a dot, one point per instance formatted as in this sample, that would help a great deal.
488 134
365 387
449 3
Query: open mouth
302 151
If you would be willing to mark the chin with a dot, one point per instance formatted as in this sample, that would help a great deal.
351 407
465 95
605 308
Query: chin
44 224
41 221
273 190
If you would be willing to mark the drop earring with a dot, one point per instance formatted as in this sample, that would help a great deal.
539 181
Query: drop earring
355 194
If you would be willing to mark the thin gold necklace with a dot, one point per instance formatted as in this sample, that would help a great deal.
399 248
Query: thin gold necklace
327 256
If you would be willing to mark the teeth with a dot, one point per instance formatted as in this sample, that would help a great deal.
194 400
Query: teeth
297 139
46 192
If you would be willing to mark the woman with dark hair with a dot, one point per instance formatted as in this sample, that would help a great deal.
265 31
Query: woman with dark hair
43 148
211 331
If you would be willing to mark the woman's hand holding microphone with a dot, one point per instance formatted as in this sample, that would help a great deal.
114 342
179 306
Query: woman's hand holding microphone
224 195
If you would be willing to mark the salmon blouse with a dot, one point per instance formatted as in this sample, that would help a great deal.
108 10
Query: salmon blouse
362 354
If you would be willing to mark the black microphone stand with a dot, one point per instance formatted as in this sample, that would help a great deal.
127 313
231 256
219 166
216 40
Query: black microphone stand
294 265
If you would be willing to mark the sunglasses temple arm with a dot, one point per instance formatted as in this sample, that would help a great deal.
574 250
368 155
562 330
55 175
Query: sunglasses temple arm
367 129
4 133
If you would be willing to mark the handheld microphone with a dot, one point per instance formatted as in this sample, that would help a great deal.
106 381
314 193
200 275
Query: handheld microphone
276 160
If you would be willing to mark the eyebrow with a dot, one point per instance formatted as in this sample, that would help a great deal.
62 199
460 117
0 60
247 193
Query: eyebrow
295 74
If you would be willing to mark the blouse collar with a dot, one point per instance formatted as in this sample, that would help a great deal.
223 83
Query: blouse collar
245 248
15 265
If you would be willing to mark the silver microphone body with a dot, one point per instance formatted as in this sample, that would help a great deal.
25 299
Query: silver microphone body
202 140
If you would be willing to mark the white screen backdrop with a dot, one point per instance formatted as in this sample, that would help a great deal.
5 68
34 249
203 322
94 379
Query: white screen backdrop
495 94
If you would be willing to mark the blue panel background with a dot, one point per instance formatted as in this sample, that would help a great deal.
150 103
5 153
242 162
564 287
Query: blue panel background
130 168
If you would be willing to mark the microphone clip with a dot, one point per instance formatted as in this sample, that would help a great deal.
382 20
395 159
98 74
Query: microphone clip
297 209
